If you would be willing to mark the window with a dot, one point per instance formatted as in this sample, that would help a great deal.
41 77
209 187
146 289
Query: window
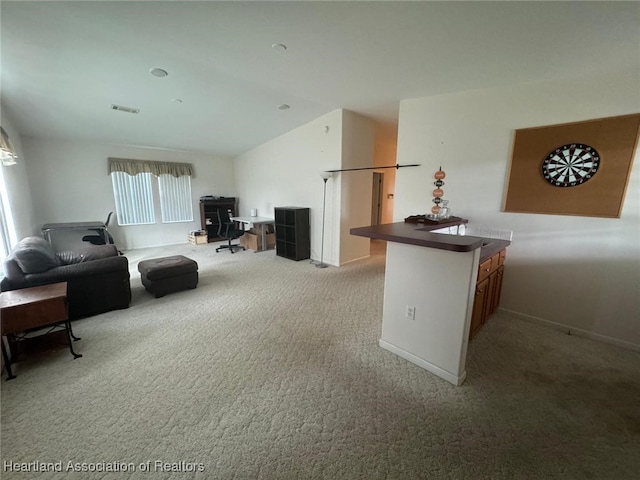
140 186
7 228
135 199
175 198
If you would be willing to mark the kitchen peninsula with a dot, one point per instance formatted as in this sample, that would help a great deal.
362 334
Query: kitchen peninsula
429 292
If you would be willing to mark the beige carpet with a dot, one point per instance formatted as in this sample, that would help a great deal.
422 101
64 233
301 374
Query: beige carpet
270 369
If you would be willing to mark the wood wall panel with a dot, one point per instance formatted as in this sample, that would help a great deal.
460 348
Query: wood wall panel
615 139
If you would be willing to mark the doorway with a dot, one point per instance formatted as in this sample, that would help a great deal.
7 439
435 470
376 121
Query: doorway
376 198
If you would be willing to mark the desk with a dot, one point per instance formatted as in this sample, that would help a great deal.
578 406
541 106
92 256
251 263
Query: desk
260 222
47 228
34 308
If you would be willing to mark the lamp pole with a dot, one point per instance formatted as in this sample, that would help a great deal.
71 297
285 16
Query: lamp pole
325 176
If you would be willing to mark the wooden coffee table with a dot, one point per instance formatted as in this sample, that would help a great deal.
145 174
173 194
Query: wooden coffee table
34 308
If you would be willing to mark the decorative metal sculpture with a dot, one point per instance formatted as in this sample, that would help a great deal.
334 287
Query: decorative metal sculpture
438 192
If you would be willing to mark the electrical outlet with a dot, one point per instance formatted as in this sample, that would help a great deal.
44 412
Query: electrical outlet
410 312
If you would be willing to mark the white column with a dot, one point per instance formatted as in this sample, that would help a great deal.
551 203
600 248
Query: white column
439 286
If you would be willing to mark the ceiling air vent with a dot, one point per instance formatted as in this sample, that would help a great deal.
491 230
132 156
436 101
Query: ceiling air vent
120 108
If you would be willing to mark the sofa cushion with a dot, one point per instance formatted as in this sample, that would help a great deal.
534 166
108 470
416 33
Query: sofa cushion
69 257
34 255
87 254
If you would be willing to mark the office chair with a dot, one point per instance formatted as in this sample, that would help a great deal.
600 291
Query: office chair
228 230
99 238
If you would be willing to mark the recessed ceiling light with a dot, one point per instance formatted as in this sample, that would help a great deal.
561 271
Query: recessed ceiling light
281 47
284 106
158 72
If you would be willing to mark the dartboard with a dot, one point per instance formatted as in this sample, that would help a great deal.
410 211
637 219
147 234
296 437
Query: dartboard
570 165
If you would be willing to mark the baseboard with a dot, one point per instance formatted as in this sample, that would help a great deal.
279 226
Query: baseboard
573 330
160 245
448 376
354 260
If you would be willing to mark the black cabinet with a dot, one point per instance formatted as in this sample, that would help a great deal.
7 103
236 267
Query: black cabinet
209 217
292 233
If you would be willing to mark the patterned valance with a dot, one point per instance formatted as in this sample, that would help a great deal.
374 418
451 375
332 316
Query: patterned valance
133 167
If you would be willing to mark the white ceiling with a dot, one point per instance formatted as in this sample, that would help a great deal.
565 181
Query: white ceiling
65 63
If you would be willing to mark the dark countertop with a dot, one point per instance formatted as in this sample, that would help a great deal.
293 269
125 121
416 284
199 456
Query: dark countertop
420 235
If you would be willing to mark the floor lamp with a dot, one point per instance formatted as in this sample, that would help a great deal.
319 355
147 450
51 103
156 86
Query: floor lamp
325 176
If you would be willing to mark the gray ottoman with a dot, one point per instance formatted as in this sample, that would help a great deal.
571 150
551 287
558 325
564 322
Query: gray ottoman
168 274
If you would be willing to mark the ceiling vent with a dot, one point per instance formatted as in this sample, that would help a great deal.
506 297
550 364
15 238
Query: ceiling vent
120 108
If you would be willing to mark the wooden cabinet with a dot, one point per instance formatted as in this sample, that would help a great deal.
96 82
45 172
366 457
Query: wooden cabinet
479 306
208 214
292 233
488 289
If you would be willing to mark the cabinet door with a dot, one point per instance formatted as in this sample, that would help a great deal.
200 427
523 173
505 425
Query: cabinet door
488 288
503 256
479 305
489 307
484 269
497 289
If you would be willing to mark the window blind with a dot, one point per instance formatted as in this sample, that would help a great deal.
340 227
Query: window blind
175 198
134 198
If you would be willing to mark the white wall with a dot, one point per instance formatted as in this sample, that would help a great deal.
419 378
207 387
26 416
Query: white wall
358 140
437 336
69 183
286 172
580 272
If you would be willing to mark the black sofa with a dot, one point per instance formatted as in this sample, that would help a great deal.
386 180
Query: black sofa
97 276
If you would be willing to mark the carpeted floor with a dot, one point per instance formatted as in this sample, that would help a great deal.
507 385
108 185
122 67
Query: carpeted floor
271 369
